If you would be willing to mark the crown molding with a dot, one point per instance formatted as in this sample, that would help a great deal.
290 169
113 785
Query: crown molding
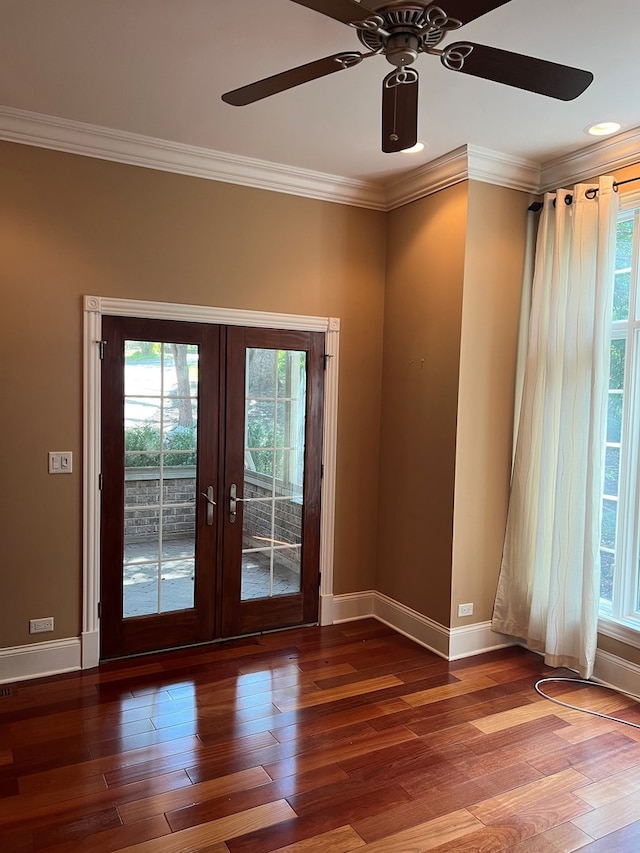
88 140
596 159
450 169
104 143
503 170
469 162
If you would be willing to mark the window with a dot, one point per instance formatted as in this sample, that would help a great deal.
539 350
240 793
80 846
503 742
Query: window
620 531
275 420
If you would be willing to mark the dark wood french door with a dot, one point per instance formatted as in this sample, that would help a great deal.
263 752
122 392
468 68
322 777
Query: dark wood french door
211 480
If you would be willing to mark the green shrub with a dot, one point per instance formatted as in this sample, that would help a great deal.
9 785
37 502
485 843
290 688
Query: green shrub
142 444
181 438
144 438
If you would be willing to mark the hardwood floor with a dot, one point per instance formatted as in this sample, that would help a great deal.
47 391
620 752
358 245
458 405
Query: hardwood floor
321 739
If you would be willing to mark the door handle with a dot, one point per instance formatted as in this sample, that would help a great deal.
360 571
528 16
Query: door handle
233 498
208 496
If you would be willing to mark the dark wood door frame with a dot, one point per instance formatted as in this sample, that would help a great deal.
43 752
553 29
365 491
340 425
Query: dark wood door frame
121 636
241 617
94 310
219 612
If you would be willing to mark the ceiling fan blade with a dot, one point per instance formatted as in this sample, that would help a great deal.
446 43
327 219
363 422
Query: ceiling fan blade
293 77
515 69
347 11
469 10
399 111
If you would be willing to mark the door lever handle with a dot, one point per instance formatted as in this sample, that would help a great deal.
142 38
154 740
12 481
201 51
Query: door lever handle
208 496
233 503
234 500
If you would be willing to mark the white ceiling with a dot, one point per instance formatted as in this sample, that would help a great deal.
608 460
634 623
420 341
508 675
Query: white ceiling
158 68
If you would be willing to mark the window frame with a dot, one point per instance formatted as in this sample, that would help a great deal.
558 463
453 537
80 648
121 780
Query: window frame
620 619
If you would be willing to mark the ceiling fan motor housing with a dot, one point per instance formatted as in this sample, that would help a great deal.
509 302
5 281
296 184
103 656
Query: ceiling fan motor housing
402 49
409 33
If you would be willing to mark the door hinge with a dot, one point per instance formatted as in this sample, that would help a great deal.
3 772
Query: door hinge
99 482
99 610
321 471
101 346
327 356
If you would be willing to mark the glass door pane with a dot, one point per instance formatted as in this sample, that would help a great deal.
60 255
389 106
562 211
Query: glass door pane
160 411
274 447
160 458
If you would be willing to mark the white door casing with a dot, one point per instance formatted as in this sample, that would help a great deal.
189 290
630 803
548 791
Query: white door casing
94 309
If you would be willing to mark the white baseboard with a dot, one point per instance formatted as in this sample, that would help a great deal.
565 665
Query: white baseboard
354 605
432 635
56 656
456 643
326 610
475 639
618 673
90 649
39 659
450 644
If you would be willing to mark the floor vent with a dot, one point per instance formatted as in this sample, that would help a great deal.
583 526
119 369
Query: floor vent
4 692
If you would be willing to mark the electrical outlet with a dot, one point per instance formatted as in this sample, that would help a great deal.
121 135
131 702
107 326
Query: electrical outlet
465 610
41 626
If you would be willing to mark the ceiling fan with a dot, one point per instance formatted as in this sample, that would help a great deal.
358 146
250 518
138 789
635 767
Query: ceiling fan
400 31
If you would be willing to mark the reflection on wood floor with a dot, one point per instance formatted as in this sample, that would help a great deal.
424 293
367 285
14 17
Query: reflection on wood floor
319 739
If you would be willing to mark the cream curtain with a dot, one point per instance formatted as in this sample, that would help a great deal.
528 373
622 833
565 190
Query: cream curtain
548 589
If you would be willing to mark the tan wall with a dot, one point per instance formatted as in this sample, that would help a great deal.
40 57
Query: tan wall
626 174
496 230
71 226
425 269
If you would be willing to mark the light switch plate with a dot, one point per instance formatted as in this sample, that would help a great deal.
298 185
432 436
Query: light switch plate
60 462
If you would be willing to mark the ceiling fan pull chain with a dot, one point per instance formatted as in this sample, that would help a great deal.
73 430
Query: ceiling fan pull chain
394 133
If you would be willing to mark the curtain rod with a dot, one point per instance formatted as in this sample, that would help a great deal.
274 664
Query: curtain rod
592 193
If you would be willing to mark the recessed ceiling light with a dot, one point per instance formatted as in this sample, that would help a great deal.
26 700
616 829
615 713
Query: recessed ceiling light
603 128
415 149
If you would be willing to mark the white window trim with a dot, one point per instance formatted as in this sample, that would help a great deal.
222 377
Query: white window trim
619 631
95 307
625 630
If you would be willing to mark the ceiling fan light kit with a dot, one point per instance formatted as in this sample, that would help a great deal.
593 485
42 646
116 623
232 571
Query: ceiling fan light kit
401 31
